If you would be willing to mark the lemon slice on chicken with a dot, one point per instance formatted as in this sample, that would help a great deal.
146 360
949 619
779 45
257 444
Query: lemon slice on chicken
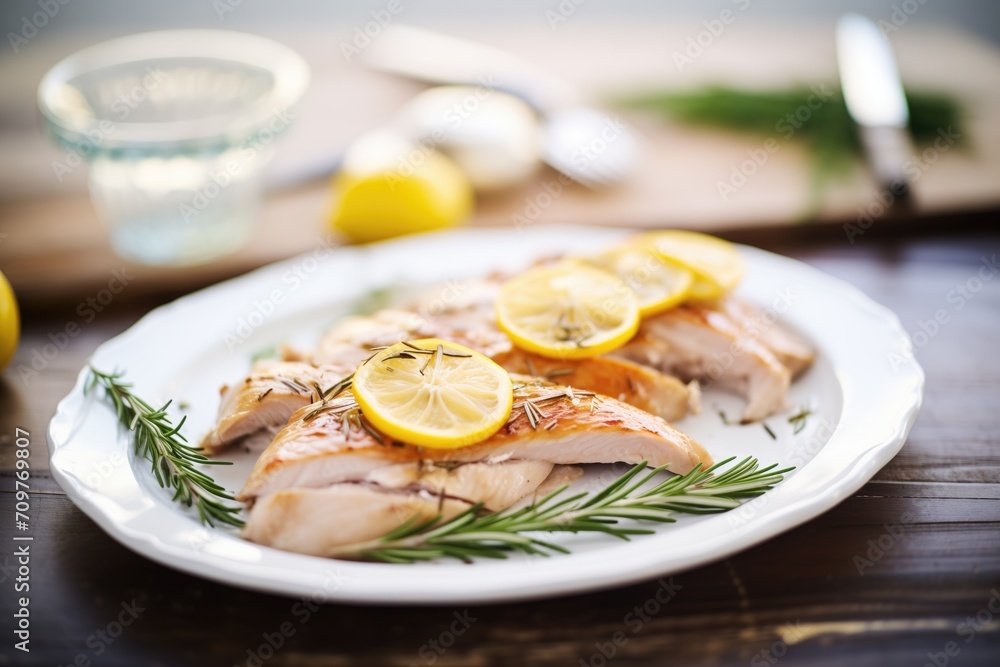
433 393
568 311
716 264
659 283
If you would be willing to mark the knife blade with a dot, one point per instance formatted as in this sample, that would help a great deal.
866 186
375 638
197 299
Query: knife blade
873 93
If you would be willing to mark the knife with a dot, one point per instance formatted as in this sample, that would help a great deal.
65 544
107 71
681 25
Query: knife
875 99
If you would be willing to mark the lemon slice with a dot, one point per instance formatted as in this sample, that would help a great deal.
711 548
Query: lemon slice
568 311
658 282
433 393
716 264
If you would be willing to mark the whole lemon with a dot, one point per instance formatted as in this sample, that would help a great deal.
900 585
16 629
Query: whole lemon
389 186
10 322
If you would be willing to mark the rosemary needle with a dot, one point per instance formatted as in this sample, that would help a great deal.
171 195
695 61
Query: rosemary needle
799 420
173 460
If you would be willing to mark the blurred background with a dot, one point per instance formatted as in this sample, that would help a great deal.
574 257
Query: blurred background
723 116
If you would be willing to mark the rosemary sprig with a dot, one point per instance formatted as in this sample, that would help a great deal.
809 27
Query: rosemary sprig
473 534
173 461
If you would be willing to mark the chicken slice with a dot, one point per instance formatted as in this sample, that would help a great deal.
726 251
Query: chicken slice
559 477
265 400
549 423
698 341
351 340
789 348
641 386
317 521
495 485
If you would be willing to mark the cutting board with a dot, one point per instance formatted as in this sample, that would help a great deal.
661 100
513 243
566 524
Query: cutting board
53 247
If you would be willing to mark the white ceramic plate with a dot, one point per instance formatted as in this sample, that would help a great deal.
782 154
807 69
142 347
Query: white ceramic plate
864 390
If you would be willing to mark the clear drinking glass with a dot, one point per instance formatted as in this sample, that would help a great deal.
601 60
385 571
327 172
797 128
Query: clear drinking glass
176 126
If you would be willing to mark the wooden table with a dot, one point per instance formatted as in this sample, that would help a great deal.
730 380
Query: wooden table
925 532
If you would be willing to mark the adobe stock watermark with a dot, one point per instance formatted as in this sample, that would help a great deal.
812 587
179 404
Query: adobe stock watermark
878 547
101 639
264 307
436 647
589 152
449 298
914 168
366 33
220 179
223 7
786 127
584 156
40 357
957 298
302 612
967 631
901 14
121 107
102 471
790 633
562 13
698 43
534 205
741 518
31 25
201 538
635 620
454 116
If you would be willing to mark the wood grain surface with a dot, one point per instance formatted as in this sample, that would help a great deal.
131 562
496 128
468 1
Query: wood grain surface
924 533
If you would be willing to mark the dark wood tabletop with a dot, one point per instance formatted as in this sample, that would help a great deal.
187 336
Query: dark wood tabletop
905 572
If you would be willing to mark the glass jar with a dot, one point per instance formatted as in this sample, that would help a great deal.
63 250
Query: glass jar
176 127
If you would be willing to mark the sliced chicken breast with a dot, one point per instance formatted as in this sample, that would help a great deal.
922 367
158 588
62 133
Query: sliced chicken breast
266 398
495 485
641 386
571 427
324 445
559 477
317 521
793 352
699 341
351 340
